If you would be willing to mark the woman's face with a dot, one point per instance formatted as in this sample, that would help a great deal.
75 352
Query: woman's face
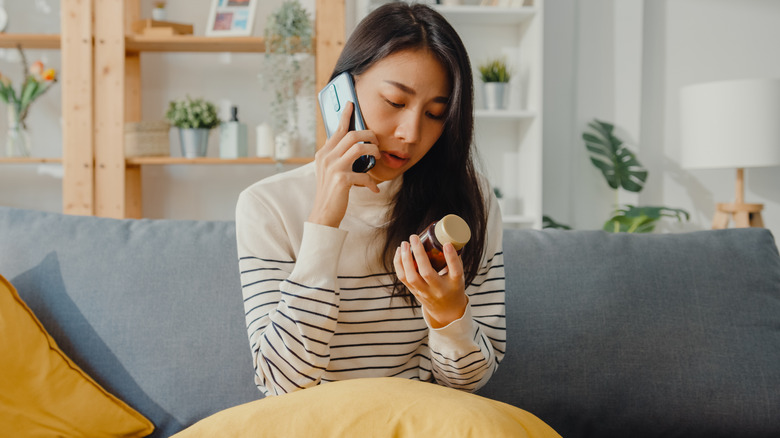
403 99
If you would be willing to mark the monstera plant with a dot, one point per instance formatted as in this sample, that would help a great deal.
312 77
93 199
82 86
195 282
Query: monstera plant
621 170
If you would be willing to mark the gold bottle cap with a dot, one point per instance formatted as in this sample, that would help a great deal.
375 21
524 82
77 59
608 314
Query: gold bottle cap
452 229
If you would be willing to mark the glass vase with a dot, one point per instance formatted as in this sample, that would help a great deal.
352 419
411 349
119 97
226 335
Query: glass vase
17 139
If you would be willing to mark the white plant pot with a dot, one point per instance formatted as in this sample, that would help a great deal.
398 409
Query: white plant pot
194 142
286 144
159 14
495 95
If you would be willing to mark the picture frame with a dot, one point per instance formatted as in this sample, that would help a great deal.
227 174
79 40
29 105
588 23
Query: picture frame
231 18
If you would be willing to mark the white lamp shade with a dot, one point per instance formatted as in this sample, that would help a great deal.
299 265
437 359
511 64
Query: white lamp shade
730 124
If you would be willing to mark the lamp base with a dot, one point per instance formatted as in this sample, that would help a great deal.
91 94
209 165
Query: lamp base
745 215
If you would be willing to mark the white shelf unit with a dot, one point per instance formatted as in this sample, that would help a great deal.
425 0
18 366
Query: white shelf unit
509 142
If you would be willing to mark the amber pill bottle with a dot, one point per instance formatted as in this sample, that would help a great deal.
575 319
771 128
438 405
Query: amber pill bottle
449 229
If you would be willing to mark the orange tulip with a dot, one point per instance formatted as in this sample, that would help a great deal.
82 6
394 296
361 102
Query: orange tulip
49 75
36 68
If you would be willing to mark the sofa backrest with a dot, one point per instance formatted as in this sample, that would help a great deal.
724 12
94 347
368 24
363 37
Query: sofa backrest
643 335
609 335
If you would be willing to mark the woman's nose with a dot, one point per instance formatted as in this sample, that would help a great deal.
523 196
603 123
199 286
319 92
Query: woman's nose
408 129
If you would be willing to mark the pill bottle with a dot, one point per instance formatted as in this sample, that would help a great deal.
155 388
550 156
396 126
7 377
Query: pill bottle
449 229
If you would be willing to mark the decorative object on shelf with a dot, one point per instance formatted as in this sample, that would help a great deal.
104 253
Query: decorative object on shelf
731 124
500 197
37 80
156 28
159 12
495 77
621 169
195 118
265 141
232 137
147 139
289 72
231 18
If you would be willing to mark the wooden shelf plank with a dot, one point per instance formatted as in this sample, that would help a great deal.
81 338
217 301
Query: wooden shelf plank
191 43
29 160
30 41
213 160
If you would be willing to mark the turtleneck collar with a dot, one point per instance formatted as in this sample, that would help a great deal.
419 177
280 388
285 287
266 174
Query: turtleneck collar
363 196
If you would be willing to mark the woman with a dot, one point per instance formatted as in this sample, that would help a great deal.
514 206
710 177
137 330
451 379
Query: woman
336 284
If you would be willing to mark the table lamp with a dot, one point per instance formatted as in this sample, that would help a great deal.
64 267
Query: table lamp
731 124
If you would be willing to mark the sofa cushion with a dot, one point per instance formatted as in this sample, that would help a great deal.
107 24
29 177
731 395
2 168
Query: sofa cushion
43 393
150 309
373 407
643 335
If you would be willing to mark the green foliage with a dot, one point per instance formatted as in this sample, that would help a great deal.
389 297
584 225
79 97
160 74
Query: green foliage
289 70
495 70
621 169
548 222
618 164
192 113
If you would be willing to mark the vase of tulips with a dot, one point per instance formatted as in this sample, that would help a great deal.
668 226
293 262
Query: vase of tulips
37 80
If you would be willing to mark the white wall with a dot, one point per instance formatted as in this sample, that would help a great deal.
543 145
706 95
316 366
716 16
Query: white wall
591 68
682 42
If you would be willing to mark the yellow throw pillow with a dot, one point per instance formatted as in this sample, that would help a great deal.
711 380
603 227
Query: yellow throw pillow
43 392
372 407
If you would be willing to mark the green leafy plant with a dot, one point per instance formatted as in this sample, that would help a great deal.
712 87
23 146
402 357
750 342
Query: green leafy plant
495 70
548 222
621 170
192 113
288 44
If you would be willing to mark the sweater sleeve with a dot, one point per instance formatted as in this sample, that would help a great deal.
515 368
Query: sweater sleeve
466 353
291 306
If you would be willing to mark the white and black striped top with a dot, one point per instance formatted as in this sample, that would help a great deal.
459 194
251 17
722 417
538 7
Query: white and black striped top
317 299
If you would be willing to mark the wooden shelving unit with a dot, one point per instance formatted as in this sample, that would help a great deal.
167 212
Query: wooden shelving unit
101 91
190 43
118 93
29 160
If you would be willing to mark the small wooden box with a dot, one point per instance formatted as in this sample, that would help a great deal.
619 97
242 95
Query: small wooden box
147 139
149 27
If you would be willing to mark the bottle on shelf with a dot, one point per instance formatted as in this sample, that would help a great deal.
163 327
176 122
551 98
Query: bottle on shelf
232 137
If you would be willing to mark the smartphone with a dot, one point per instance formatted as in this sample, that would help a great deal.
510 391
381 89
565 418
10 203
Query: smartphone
333 99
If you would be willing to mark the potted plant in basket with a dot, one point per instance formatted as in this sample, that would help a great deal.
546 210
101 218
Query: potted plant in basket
195 118
495 76
289 71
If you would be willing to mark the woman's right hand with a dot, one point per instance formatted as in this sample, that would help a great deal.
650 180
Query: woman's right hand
334 170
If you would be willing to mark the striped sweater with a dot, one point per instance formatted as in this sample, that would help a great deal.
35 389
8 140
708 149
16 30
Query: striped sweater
318 304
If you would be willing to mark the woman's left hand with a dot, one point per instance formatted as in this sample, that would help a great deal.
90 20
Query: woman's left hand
442 294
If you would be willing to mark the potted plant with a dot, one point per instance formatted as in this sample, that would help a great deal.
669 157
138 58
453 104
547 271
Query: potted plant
195 118
289 71
495 75
621 169
158 12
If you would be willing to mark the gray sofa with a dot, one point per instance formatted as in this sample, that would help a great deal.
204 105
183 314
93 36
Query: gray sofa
608 335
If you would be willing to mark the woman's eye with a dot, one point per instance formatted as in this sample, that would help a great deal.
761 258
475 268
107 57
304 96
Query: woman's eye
393 104
435 116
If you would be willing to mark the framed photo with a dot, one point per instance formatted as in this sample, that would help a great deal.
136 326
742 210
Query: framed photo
231 18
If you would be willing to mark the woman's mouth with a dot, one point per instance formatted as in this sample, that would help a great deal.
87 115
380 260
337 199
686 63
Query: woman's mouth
394 160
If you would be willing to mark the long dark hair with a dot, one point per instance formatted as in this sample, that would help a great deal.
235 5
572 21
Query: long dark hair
445 180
